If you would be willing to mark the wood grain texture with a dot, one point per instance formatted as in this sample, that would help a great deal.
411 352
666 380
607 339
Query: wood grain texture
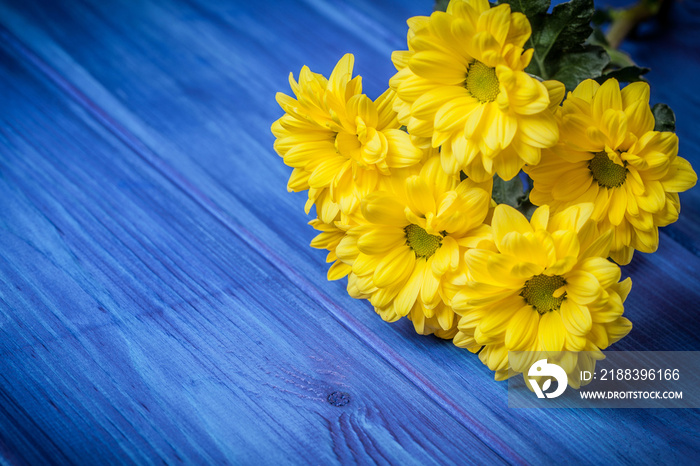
156 333
156 281
152 332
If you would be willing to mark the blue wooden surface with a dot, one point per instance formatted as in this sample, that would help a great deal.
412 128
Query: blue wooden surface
159 301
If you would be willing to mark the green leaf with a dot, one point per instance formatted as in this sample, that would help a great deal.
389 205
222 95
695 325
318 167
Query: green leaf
575 67
527 208
627 74
441 5
621 66
664 117
619 59
559 41
558 34
598 37
508 192
601 17
529 8
514 194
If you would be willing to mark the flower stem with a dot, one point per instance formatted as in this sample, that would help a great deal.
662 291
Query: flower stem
626 19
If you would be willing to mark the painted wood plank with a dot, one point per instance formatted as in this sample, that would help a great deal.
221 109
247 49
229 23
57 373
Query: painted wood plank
457 382
136 327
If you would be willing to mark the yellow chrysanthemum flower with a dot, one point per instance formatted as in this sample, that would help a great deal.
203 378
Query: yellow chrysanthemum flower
546 287
610 155
338 140
462 85
412 242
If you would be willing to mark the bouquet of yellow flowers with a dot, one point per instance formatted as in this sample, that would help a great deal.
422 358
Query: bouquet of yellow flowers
411 190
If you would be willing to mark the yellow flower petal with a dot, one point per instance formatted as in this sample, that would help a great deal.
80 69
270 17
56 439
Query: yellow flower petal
506 220
364 264
612 310
381 240
539 130
618 329
527 248
409 293
341 73
527 96
384 209
509 271
646 240
429 291
615 124
576 318
572 185
551 331
605 271
599 336
654 197
600 247
571 218
492 326
582 287
607 97
428 104
566 244
440 262
420 195
618 206
522 329
508 163
540 218
680 176
635 99
586 90
395 267
622 256
496 21
574 342
438 67
338 270
520 30
495 357
453 114
556 91
623 288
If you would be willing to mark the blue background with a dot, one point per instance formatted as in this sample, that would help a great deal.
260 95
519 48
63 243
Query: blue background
159 301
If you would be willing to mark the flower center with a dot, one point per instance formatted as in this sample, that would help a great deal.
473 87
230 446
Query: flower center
422 243
482 82
607 173
539 292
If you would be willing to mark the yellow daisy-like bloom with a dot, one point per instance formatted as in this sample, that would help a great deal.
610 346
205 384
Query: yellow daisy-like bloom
610 155
338 140
546 287
412 243
462 85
